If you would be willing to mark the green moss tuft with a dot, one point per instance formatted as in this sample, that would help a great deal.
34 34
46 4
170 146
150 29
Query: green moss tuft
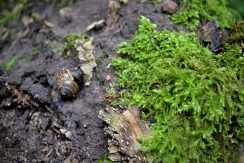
35 16
64 3
155 2
13 61
70 39
195 97
35 52
105 159
11 11
193 12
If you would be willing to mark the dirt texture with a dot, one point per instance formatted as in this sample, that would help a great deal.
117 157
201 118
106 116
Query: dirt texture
35 124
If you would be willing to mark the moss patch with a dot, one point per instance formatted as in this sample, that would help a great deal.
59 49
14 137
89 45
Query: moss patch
11 11
12 62
69 40
237 34
193 12
196 99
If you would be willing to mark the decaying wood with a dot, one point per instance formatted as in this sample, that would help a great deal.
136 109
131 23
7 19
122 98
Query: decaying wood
125 128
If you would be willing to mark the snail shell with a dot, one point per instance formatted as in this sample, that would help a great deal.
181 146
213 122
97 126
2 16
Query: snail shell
69 83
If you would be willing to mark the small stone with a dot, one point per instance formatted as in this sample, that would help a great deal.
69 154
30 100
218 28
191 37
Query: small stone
212 36
85 125
40 92
26 84
169 7
68 134
45 123
108 77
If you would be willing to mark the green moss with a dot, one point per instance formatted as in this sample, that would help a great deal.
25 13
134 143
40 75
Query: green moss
70 39
233 56
193 12
35 16
11 11
64 3
105 159
13 61
237 5
155 2
35 52
194 95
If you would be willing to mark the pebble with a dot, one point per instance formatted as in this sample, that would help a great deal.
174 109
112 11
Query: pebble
169 7
108 77
68 134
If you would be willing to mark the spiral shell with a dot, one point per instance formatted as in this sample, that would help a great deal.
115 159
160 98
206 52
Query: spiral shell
67 86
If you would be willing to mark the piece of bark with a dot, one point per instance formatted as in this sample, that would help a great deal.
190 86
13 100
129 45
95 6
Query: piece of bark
87 62
125 128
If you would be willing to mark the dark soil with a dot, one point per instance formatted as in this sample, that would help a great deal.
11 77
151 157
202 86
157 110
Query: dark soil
39 132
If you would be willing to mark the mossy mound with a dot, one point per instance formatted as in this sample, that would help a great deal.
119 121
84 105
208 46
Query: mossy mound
237 34
11 10
195 97
193 12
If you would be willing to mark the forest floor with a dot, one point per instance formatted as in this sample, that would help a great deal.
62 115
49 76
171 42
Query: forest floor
52 129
